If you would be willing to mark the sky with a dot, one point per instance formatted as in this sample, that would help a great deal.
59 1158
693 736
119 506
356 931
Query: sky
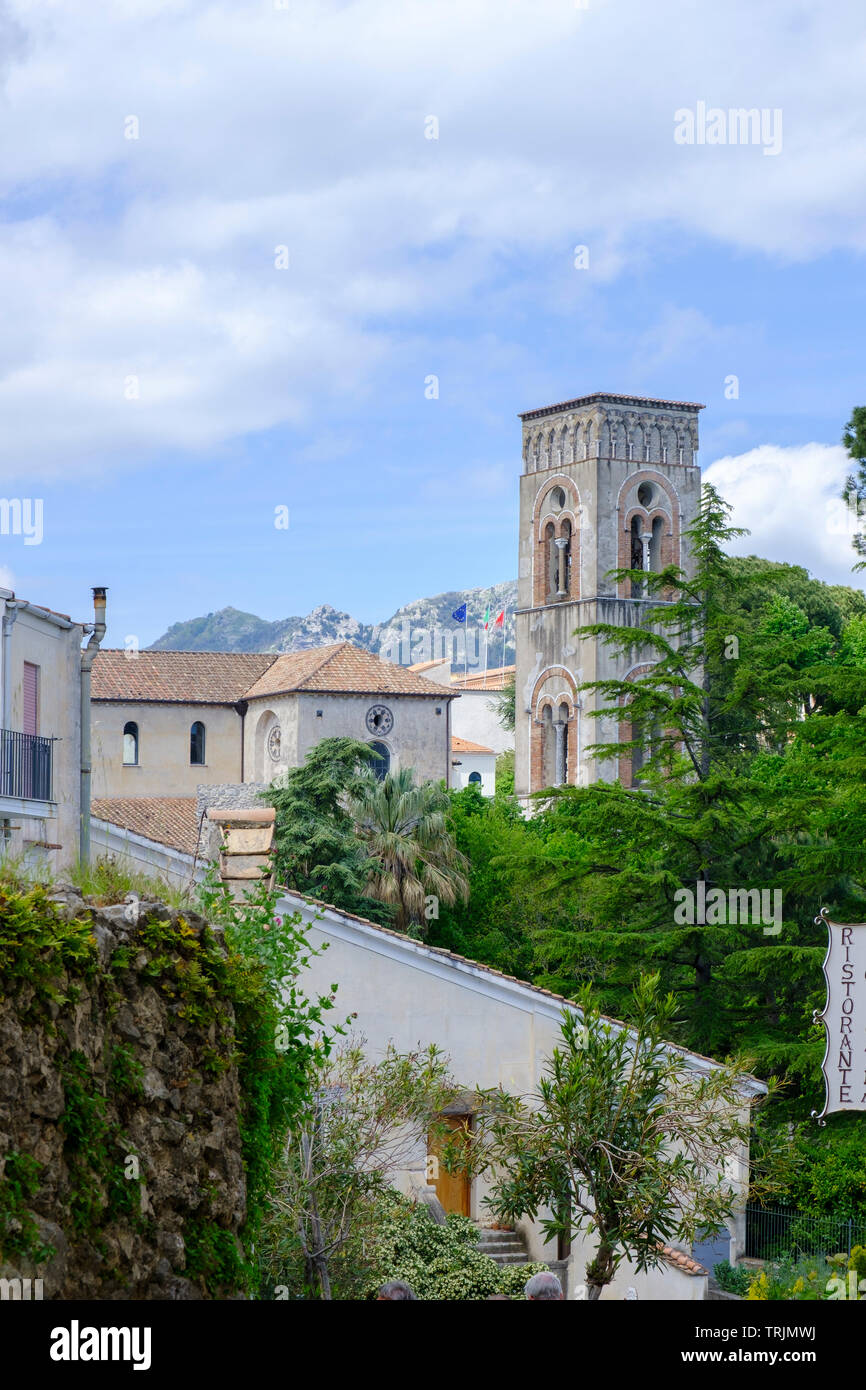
308 259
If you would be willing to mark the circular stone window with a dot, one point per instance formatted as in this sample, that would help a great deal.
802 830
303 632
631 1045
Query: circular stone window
557 499
379 719
645 495
275 740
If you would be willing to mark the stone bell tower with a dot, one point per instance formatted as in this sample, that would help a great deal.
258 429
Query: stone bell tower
608 482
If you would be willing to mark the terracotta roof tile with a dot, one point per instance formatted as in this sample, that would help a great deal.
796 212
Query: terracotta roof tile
463 745
342 669
493 680
169 820
681 1261
213 678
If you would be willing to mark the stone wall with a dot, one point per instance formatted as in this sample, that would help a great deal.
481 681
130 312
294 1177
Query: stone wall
121 1163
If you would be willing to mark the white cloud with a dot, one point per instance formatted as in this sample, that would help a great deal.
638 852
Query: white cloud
773 488
261 127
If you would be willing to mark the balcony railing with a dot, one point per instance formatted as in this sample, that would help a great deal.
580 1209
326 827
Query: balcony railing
26 765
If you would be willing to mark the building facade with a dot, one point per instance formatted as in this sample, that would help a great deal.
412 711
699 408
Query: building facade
609 482
166 723
40 733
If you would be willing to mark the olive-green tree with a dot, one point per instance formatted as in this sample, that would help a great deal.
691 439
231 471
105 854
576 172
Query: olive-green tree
623 1140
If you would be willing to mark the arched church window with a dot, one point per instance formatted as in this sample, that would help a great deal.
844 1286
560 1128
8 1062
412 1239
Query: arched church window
475 779
130 744
196 743
382 763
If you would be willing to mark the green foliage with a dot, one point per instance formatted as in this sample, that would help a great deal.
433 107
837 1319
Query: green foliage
19 1234
621 1139
281 1040
359 1126
504 703
214 1258
791 1281
318 850
38 947
439 1262
505 774
854 439
731 1278
109 880
496 925
410 851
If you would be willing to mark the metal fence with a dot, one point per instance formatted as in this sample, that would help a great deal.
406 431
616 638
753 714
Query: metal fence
773 1232
26 765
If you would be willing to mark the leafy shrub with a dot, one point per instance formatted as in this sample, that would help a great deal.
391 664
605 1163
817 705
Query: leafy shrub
804 1280
731 1278
440 1262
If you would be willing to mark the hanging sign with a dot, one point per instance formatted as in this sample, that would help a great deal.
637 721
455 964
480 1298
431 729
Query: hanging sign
844 1017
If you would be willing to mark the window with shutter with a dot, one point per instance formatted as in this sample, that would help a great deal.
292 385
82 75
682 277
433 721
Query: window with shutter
31 698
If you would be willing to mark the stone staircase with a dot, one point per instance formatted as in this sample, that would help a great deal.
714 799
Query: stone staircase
505 1247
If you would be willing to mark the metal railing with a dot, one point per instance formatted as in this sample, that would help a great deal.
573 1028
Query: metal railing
774 1232
26 765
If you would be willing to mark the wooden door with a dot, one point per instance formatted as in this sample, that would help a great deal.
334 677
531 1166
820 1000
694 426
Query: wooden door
452 1189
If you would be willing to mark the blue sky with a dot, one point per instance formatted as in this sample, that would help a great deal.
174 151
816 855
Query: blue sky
148 265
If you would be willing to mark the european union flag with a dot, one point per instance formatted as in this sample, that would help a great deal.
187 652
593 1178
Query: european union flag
459 614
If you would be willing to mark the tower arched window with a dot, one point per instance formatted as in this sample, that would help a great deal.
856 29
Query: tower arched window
196 743
636 560
655 549
130 744
549 561
565 557
561 778
382 763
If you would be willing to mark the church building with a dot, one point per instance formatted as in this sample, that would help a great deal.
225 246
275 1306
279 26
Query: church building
608 482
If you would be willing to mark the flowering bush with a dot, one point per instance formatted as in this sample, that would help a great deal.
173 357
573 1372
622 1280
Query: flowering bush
440 1262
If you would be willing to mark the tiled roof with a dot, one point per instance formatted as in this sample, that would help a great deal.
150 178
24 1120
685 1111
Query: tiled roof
213 678
681 1261
169 820
609 396
492 680
342 669
420 666
463 745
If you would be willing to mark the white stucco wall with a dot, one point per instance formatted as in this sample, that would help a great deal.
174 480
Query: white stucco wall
56 651
475 719
482 763
164 768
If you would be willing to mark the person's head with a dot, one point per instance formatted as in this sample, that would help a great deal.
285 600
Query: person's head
544 1285
395 1289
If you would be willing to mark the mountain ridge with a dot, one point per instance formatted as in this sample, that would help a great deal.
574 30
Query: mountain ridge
422 630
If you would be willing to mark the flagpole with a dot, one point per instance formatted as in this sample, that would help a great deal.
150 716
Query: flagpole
486 640
504 621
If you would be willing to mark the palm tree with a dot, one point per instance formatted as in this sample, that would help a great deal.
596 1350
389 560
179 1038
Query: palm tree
411 852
